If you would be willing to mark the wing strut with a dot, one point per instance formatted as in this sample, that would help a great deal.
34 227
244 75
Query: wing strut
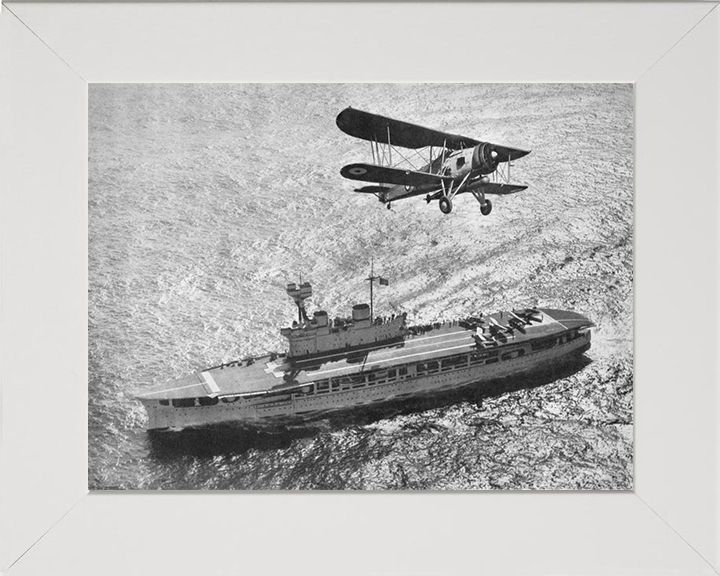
460 187
389 146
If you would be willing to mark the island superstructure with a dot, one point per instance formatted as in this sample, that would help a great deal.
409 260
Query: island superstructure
361 360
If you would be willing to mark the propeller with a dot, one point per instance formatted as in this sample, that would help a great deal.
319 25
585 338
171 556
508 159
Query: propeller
485 158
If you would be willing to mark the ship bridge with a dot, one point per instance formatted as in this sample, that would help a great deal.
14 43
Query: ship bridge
319 335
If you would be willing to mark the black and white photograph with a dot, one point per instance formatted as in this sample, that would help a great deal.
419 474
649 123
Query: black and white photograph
360 287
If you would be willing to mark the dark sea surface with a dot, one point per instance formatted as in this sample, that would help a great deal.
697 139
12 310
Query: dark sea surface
205 200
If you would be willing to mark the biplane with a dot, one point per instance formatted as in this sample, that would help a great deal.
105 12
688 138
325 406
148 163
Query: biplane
440 165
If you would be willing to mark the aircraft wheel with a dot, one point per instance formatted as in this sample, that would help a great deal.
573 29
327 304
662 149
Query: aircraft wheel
388 206
486 208
445 205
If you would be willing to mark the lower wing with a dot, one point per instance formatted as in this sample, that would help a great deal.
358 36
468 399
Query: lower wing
500 189
386 175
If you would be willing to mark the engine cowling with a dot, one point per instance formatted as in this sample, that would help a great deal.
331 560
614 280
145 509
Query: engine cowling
484 158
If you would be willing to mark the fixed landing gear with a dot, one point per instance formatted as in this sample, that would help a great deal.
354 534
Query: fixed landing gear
485 204
388 206
486 208
445 205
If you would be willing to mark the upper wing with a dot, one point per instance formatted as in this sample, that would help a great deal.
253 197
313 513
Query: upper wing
378 128
386 175
505 153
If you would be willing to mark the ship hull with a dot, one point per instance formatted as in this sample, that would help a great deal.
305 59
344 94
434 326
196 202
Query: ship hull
465 371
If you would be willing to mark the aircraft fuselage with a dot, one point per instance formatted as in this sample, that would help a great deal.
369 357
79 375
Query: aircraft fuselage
464 166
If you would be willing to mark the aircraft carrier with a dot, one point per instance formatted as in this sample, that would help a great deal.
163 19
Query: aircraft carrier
363 360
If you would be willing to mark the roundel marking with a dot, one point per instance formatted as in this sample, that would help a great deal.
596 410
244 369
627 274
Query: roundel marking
357 171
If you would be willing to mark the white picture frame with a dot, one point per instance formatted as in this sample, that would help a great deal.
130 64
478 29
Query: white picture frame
669 524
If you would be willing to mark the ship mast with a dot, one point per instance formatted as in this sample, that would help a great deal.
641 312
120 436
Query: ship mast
372 278
372 281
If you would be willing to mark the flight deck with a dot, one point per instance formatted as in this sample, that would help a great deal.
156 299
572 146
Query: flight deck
274 373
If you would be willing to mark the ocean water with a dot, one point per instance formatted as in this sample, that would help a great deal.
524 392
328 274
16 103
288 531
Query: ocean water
205 200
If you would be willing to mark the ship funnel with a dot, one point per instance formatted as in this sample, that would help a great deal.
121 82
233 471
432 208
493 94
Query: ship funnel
321 318
360 312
